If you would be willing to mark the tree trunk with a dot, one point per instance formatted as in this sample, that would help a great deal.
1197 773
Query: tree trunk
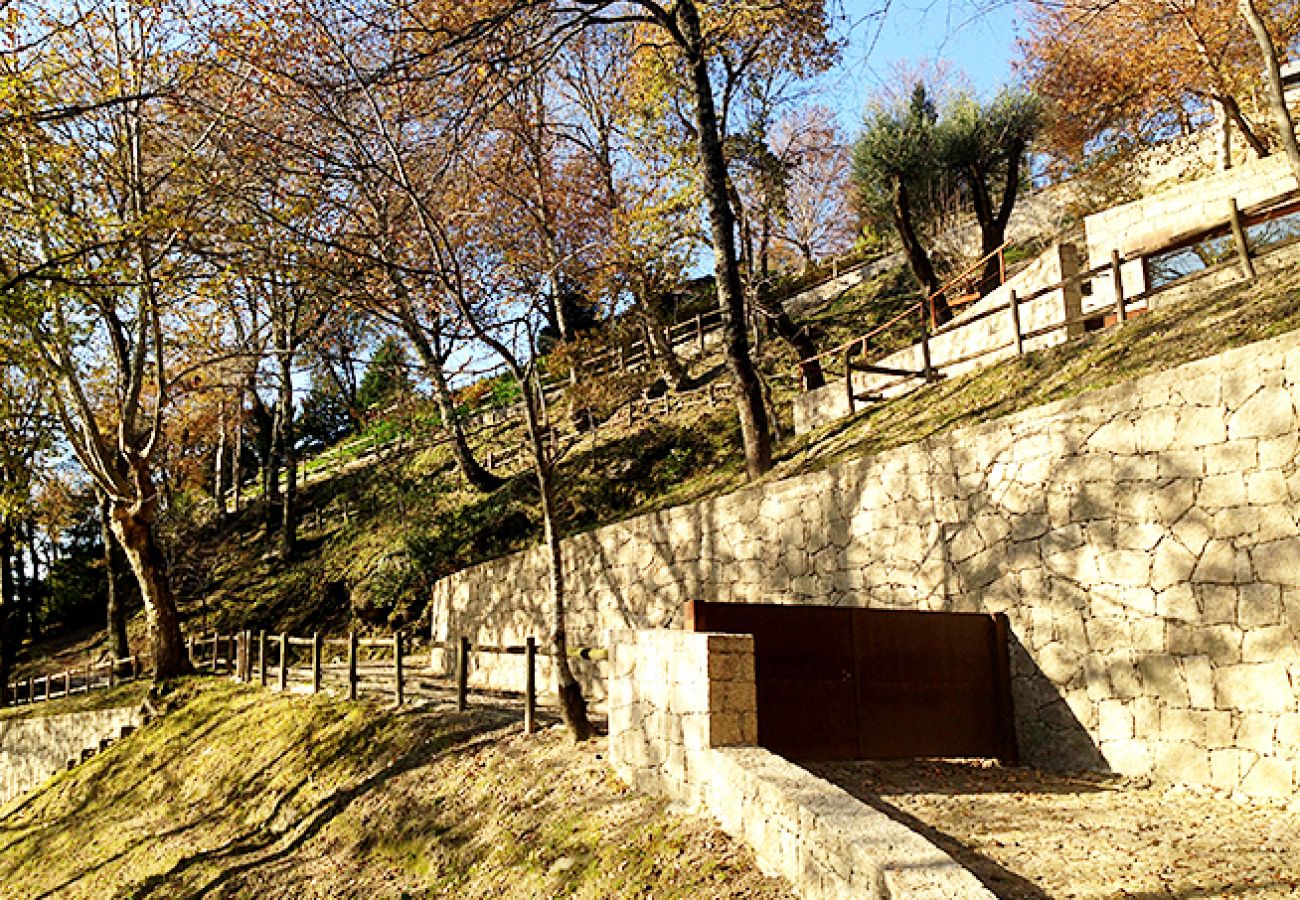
918 259
754 427
660 349
7 608
25 583
1273 83
573 706
288 509
237 460
219 464
1232 111
133 527
478 477
118 644
795 335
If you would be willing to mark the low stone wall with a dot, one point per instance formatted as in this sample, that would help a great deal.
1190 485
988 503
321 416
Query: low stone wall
34 750
1142 540
682 724
1160 220
1154 222
974 331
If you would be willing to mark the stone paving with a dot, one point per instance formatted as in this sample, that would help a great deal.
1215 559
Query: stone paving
1030 835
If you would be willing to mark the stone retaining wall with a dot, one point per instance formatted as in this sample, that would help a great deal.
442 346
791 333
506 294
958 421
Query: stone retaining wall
683 724
974 331
1143 541
34 750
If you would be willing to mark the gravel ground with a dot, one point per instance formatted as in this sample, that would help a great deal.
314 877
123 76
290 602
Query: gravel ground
1030 835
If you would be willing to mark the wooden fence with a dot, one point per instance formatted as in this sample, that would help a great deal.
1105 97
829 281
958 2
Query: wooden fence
312 664
918 317
80 680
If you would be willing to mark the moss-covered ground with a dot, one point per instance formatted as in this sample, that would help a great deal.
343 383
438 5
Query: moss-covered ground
240 792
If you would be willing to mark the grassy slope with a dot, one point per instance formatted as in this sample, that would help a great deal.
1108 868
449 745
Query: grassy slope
410 520
236 792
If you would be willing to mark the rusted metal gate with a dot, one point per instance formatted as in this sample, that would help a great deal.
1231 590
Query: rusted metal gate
847 683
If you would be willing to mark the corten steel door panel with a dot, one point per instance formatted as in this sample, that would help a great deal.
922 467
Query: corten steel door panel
927 685
848 683
804 665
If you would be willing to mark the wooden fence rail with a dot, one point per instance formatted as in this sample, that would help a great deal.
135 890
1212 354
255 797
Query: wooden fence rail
80 680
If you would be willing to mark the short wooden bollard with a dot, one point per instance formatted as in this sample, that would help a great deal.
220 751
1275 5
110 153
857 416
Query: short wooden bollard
530 686
462 675
189 648
284 661
352 665
261 658
31 689
397 668
1015 324
315 662
1117 276
112 672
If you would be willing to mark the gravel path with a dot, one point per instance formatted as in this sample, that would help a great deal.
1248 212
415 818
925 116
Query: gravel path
1030 835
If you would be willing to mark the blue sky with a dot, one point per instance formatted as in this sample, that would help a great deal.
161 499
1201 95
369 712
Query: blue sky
977 37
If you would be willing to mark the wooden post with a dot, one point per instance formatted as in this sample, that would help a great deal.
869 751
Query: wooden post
112 669
189 648
31 689
848 378
261 657
315 662
1239 237
397 668
462 674
927 365
1117 276
216 646
699 332
1015 323
530 686
352 665
284 661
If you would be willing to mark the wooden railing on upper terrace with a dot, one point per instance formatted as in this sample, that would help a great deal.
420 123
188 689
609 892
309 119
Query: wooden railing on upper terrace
913 326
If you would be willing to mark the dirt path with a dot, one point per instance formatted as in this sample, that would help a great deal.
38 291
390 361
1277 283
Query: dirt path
1031 835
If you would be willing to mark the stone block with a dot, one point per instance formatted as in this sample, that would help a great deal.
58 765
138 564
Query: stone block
1266 487
1198 675
1267 413
1221 643
1200 427
1278 562
1115 720
1162 677
1128 757
1182 763
1218 603
1228 766
1268 644
1125 567
1220 728
1186 726
1254 687
1256 732
1220 491
1269 777
1288 734
1177 601
1217 565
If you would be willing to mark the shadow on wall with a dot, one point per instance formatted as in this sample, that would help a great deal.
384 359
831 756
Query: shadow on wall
1138 539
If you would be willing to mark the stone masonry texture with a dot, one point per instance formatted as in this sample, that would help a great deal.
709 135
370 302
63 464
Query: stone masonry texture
682 724
1143 540
33 750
